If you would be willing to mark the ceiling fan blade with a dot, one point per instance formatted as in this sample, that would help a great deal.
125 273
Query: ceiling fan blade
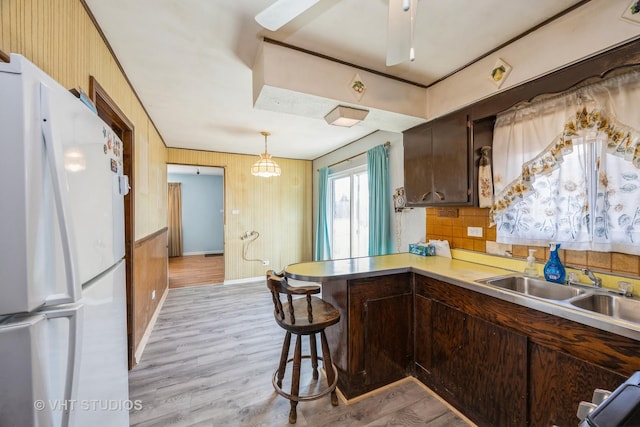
281 12
400 31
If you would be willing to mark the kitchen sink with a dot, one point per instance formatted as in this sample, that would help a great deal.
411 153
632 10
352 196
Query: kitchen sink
610 305
534 287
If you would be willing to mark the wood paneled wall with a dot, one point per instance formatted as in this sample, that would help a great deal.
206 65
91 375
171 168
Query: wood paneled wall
60 38
278 208
151 279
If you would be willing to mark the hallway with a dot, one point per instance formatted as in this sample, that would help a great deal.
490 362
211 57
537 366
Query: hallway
196 270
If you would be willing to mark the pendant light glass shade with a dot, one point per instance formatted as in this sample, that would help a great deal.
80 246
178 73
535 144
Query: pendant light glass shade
265 167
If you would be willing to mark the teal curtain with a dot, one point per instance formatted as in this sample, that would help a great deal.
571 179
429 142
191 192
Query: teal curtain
379 202
322 247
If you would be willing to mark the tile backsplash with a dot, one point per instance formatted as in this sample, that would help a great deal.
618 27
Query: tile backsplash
454 229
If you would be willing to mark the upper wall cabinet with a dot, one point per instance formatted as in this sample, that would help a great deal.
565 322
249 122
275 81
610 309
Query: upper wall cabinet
437 162
441 157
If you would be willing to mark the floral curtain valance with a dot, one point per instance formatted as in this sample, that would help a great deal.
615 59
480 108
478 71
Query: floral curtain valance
621 141
567 169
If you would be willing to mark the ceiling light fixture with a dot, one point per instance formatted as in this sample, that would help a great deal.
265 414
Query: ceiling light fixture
345 116
265 167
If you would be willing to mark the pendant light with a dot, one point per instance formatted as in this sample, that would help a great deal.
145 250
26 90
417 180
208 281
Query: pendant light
265 167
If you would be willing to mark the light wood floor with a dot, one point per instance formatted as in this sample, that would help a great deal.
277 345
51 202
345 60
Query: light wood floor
209 362
195 270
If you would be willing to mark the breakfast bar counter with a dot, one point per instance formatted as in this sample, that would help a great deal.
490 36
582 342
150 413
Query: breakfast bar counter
500 357
457 272
352 268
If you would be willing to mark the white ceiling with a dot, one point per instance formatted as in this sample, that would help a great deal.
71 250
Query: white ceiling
190 61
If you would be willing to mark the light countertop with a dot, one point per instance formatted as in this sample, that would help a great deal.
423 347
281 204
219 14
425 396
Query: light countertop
459 273
351 268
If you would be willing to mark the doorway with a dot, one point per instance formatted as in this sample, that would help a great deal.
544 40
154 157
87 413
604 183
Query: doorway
195 225
111 114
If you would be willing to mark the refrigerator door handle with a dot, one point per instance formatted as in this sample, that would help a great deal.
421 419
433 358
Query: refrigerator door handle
123 185
74 314
54 157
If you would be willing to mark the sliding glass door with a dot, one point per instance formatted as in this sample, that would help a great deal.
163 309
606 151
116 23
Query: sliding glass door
349 222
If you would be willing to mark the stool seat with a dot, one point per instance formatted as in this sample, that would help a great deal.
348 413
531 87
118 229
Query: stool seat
305 315
324 315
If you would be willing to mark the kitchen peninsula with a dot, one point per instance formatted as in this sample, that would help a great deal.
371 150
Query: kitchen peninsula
501 358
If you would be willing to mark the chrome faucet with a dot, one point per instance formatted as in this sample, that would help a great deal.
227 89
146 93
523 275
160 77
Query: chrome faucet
595 281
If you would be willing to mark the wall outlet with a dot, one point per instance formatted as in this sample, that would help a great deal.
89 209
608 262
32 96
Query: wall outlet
265 262
153 294
474 231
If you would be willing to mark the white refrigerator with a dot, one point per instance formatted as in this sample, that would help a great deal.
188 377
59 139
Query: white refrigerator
63 333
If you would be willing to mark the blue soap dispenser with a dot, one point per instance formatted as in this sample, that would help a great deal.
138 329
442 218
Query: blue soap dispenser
554 270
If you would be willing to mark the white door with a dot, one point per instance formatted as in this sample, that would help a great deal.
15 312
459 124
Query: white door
62 209
91 161
103 386
68 366
38 369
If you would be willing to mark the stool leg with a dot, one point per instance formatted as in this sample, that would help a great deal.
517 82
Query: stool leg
283 358
295 379
328 366
314 355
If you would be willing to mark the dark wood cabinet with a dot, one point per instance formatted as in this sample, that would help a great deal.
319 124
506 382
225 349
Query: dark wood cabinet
437 163
374 347
381 319
440 157
503 364
560 381
423 332
418 165
481 365
478 367
497 362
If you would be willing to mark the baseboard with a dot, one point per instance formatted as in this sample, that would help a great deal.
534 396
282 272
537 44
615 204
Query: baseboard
402 381
202 253
147 333
444 402
247 280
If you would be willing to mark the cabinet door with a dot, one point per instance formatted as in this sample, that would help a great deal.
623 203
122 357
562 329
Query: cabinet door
559 382
381 332
437 162
479 367
423 338
451 160
388 350
418 169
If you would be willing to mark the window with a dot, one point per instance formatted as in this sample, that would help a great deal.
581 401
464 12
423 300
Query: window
567 169
557 205
349 220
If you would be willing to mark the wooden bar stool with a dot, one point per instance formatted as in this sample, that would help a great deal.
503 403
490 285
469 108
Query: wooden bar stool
302 316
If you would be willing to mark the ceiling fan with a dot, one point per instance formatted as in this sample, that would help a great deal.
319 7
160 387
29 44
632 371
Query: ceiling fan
400 28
